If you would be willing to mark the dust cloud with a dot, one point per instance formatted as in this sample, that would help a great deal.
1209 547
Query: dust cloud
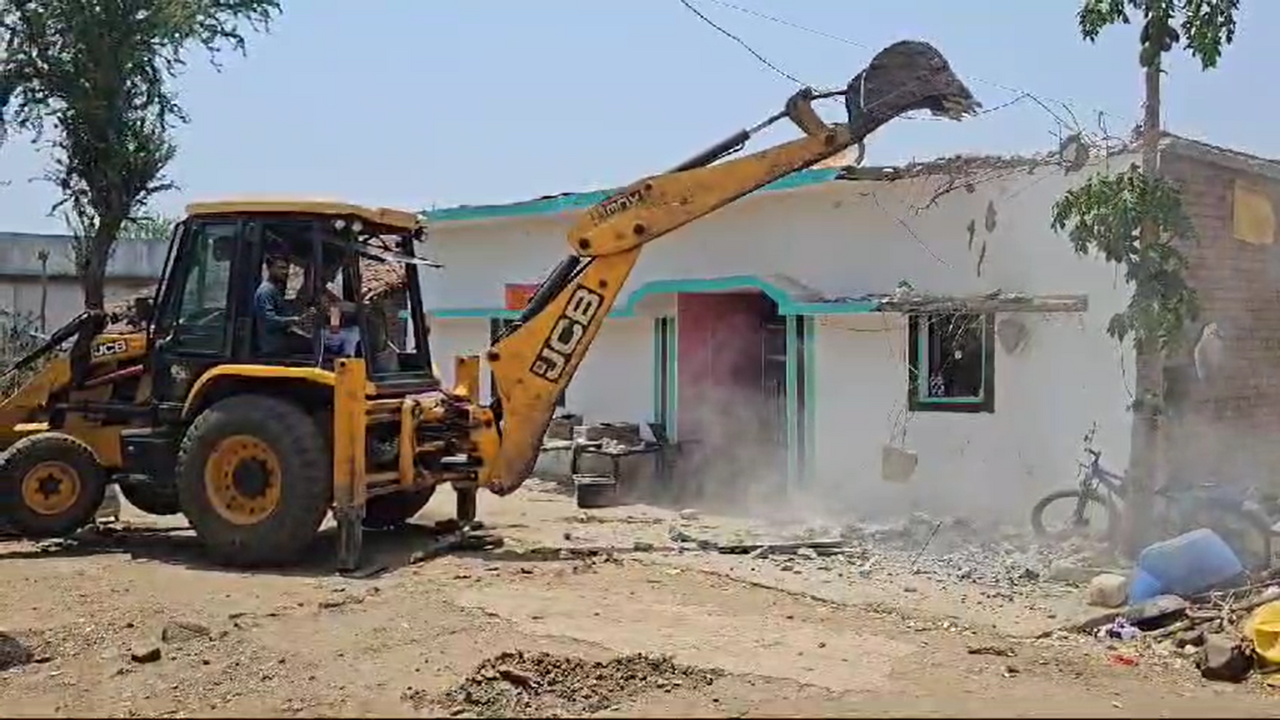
734 460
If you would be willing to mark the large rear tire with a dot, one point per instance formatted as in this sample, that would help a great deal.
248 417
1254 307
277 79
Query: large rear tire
1093 503
255 480
383 512
51 485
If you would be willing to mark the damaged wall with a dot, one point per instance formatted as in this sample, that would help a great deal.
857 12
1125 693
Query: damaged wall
1066 375
1227 414
848 238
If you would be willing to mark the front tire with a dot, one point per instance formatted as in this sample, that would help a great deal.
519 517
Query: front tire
51 485
1093 503
255 480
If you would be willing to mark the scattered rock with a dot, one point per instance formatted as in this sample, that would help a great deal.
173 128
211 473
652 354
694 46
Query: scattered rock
1192 638
689 514
1107 590
14 652
519 684
1067 571
145 654
338 601
1223 659
1158 612
180 631
992 650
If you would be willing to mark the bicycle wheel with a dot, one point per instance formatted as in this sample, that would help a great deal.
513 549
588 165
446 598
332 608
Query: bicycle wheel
1086 514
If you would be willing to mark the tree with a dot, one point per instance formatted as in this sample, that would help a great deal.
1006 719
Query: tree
93 80
1135 219
148 226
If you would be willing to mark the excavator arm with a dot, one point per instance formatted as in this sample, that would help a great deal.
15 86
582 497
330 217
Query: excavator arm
534 361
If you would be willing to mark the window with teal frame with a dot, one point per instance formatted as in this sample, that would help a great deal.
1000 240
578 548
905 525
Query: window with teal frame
952 363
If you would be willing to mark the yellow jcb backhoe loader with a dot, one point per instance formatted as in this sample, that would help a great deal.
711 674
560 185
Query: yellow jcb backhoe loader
229 408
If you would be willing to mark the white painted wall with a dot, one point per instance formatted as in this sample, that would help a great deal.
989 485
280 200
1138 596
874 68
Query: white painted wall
850 238
615 381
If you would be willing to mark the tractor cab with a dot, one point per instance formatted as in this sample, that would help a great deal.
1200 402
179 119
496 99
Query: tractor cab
291 284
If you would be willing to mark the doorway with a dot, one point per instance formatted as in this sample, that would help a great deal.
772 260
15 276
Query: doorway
731 388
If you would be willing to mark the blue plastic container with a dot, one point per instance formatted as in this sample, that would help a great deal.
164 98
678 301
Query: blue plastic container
1185 565
1143 587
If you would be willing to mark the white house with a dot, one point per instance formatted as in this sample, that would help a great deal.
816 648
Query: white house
767 333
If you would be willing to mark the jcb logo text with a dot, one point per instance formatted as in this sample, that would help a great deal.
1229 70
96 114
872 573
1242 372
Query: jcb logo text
567 333
115 347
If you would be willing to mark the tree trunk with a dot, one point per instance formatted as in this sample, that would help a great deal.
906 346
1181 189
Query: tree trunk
1145 465
96 254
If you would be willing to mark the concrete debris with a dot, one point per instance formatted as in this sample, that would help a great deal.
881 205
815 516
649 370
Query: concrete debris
1190 638
1224 659
1159 612
957 549
622 433
520 684
145 654
993 650
1107 591
180 631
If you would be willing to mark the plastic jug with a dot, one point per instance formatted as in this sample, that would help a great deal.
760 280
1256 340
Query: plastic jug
1190 563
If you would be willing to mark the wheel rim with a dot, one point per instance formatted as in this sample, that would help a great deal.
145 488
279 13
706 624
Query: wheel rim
51 488
242 479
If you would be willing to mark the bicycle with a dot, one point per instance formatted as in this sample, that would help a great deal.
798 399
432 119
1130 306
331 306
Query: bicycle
1241 517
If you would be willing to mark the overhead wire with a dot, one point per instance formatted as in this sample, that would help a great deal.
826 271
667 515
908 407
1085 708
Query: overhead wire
1021 94
742 42
901 417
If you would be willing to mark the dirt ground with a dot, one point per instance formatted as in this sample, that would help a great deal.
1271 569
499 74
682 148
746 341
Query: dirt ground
130 623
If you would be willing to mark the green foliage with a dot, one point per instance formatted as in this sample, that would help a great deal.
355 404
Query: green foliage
148 226
1105 215
93 79
1204 28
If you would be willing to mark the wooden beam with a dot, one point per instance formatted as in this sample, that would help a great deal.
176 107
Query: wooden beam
990 303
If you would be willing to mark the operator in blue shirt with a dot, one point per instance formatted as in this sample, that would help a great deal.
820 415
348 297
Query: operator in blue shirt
271 326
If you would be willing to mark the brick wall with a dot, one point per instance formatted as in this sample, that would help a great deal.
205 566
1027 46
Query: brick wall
1226 427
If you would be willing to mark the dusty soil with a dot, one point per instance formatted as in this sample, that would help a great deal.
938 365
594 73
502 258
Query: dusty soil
579 614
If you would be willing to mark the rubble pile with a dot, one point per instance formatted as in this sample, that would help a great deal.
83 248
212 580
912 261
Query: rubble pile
955 549
520 684
1227 636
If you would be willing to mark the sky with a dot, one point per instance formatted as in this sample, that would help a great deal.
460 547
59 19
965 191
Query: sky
434 103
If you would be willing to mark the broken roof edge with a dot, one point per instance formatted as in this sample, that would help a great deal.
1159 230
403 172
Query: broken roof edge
561 203
1221 156
573 201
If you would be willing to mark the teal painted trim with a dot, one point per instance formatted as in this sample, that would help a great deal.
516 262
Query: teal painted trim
580 201
792 404
786 304
810 399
